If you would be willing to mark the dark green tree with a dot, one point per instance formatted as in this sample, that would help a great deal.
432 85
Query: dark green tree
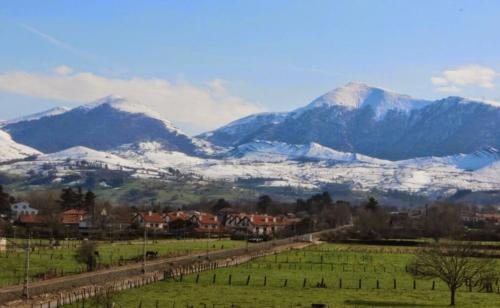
263 203
219 205
372 204
5 201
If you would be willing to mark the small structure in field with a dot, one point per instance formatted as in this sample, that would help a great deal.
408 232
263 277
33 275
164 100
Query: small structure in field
3 244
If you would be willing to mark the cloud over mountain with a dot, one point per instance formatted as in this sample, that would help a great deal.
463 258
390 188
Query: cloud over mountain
194 108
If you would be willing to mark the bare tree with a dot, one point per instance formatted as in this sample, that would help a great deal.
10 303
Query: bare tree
456 265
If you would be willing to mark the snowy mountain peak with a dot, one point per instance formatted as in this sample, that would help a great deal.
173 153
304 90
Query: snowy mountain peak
355 95
48 113
126 105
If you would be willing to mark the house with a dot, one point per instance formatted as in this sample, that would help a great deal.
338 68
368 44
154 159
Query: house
490 218
149 220
257 225
32 220
22 208
73 217
206 224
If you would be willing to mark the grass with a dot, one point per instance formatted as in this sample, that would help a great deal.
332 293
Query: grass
330 263
63 261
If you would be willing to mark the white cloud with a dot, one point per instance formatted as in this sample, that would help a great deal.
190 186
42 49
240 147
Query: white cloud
454 80
197 108
63 70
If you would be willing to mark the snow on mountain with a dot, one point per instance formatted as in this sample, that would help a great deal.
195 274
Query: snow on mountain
80 153
375 122
102 125
153 155
10 150
471 162
119 103
48 113
280 151
356 95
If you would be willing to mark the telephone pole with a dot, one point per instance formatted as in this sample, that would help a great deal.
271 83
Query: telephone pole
27 267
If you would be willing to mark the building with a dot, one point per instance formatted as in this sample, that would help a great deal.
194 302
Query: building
3 244
22 208
149 220
73 217
257 225
206 224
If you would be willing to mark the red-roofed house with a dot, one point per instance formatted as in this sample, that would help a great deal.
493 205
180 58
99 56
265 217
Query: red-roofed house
29 220
205 223
257 224
73 217
149 220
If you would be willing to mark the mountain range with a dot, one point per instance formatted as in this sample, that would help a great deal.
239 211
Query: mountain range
361 136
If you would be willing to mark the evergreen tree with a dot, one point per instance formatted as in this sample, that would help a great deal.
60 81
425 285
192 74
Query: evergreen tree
5 201
89 202
372 204
219 205
263 203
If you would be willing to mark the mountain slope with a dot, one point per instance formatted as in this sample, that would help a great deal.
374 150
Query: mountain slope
48 113
10 150
103 125
377 123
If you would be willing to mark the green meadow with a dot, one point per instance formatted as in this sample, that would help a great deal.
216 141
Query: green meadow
334 274
62 259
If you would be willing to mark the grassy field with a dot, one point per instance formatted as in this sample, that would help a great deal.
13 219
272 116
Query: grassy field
62 259
293 279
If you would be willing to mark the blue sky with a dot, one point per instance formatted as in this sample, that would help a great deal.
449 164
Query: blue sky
204 63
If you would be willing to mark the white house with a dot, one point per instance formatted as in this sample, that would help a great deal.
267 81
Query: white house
22 208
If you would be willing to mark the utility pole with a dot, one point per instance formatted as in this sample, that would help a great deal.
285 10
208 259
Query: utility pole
144 250
27 267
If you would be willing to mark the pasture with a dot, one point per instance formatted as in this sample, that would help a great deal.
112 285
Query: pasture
60 260
334 274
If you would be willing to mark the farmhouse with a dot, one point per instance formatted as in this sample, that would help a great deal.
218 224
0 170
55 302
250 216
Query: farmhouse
256 224
22 208
149 220
205 223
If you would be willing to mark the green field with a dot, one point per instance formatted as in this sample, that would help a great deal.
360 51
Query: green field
62 259
278 281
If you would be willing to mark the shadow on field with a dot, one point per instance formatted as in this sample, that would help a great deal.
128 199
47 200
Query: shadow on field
382 303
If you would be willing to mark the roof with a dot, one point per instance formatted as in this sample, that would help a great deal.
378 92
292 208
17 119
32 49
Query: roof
207 219
152 217
178 215
32 219
73 216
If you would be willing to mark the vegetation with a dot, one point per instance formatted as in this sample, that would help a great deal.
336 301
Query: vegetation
339 275
61 260
456 265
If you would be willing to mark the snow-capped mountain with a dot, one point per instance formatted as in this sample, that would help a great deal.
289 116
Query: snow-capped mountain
10 150
375 122
279 151
48 113
102 125
358 95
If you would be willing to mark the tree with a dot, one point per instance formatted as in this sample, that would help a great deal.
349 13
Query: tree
263 203
372 204
443 220
5 201
219 205
371 223
455 265
89 202
86 254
